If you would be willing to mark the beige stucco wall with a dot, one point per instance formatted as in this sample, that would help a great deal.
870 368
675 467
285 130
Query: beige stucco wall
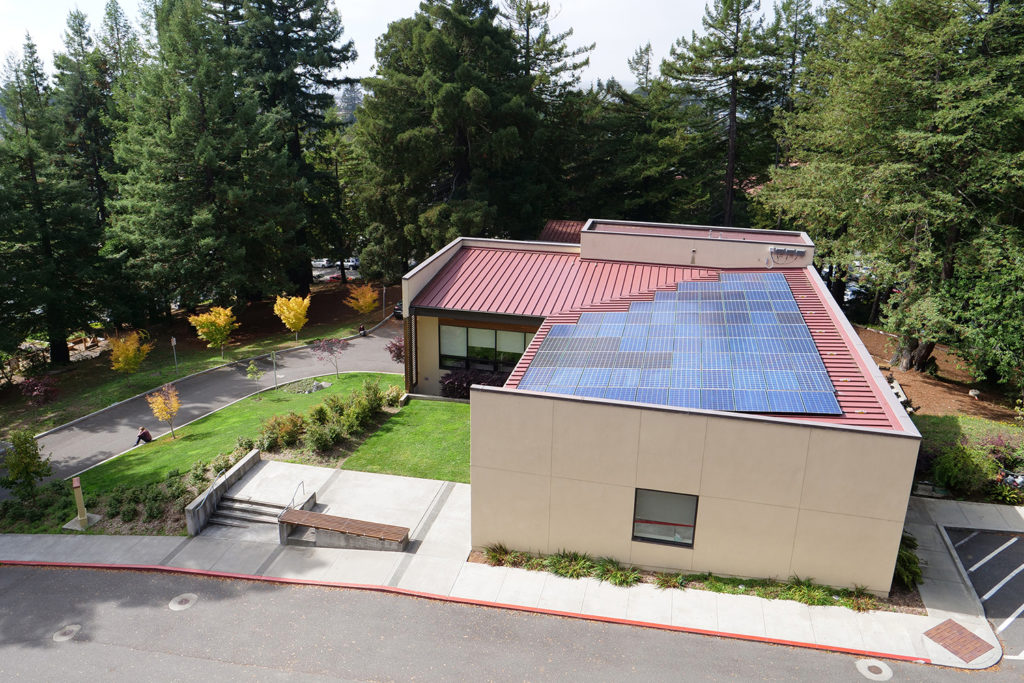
685 251
428 358
776 499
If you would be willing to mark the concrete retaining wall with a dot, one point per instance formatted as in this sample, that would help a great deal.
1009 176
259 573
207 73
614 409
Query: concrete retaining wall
284 530
199 510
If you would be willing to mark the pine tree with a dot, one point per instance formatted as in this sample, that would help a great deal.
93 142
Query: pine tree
292 52
722 70
208 195
445 135
48 240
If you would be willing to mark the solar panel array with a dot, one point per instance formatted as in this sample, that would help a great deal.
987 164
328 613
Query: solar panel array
739 344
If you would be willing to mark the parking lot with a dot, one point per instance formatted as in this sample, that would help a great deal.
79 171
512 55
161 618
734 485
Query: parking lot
995 565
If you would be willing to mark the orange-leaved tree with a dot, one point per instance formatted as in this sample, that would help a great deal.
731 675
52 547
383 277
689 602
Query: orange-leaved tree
164 403
128 352
292 312
215 326
363 298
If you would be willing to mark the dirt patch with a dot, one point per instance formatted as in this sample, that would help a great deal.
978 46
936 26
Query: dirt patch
946 392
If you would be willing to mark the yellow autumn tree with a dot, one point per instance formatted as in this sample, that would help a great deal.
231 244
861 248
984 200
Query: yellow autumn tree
215 326
363 299
292 312
164 403
128 352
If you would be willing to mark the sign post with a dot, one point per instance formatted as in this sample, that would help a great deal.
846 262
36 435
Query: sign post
174 349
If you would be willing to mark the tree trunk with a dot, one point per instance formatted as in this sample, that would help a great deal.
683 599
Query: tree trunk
59 354
876 304
914 355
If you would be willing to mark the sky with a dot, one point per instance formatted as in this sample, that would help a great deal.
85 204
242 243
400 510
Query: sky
617 27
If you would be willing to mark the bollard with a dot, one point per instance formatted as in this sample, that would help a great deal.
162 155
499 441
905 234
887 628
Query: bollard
84 520
83 517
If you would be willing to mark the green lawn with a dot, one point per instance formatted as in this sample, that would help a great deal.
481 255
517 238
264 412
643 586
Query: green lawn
426 439
210 436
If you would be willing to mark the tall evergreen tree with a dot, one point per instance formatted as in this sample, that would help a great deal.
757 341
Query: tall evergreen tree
48 239
722 69
208 195
292 52
908 137
445 134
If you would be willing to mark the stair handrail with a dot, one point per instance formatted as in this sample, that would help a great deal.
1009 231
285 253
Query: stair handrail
291 503
213 483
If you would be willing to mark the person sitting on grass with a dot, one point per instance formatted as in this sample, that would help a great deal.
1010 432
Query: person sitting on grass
143 435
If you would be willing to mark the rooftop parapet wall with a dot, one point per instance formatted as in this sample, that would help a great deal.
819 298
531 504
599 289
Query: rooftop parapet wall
693 245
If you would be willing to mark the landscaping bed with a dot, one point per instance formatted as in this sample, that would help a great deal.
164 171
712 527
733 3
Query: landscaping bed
576 565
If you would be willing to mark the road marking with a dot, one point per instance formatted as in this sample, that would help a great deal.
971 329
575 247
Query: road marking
1020 656
994 553
1009 619
960 543
1002 583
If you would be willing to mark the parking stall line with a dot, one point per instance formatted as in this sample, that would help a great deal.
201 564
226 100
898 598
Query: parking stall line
1009 619
1002 583
962 541
992 554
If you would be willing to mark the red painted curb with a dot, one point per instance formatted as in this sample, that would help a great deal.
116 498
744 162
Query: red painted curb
463 601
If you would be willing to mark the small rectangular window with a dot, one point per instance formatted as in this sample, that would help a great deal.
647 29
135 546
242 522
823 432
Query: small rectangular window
664 517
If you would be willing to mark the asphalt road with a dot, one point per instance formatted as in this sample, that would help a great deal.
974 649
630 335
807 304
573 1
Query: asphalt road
110 432
241 630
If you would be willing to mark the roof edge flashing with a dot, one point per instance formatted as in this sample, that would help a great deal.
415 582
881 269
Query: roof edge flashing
757 417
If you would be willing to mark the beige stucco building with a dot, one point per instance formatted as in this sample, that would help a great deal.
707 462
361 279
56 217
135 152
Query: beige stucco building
680 398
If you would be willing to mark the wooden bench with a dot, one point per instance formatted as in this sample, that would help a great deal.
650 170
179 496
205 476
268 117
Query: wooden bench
342 532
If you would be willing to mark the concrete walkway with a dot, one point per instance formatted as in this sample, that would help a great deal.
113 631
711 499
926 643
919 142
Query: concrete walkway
94 438
435 564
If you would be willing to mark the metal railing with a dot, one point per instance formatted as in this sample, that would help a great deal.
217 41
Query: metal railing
213 484
291 503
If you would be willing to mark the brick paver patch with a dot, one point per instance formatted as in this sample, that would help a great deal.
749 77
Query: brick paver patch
958 640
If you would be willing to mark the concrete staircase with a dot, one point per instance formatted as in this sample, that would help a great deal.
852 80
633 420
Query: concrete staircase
239 512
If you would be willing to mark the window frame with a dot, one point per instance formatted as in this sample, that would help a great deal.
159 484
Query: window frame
493 364
661 541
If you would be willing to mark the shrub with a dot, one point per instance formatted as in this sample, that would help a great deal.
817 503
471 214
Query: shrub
965 470
25 466
457 382
335 404
373 395
244 444
319 414
908 568
319 437
129 512
393 396
625 577
496 554
39 390
396 349
282 430
154 510
665 580
570 564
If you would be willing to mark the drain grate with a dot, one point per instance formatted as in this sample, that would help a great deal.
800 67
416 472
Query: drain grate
958 640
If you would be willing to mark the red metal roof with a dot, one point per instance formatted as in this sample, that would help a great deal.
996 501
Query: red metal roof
562 231
540 283
560 286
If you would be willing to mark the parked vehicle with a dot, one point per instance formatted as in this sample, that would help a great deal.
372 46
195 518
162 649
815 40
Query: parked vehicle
352 263
398 311
337 277
320 263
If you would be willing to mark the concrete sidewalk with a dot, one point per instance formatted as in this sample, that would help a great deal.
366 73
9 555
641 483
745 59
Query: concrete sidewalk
435 564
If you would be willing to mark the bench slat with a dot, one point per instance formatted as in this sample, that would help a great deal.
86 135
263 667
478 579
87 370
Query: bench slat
344 525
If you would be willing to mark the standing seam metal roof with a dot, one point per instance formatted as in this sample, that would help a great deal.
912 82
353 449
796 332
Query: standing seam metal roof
561 286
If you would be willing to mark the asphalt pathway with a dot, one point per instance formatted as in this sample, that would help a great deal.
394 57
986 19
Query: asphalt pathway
112 431
995 565
113 626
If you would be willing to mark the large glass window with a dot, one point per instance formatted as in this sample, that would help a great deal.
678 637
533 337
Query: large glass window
664 517
477 348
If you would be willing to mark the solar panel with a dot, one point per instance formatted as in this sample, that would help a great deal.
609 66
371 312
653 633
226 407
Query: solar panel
739 344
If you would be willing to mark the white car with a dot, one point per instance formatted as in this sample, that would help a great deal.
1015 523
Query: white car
320 263
352 263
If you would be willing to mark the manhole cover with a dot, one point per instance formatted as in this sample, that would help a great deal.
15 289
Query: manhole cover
66 633
874 670
183 601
